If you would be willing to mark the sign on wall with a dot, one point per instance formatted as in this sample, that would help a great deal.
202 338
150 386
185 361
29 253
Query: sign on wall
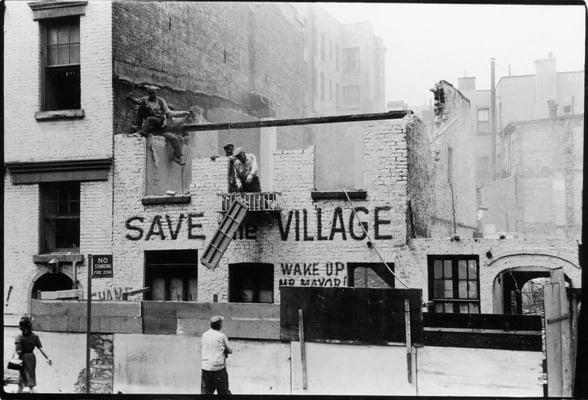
102 266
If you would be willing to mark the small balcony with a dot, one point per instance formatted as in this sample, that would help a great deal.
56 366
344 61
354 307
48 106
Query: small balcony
257 202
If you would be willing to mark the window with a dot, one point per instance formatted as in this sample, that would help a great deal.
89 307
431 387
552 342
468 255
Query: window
337 57
483 121
330 89
251 283
454 283
60 217
322 47
314 83
172 275
351 96
330 50
337 93
370 275
61 64
352 59
322 86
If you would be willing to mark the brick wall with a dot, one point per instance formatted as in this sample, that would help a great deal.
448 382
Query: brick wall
455 202
209 55
385 177
27 139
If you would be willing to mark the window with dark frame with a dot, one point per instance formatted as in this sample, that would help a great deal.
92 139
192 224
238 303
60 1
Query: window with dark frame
370 275
60 202
251 283
483 118
454 283
61 63
172 275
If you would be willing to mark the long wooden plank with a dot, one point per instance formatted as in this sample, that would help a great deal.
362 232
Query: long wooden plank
553 345
292 121
483 321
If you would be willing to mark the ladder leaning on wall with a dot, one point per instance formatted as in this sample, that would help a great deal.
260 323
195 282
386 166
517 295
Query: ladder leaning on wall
224 234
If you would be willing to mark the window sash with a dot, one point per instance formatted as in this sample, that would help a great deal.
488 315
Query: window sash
60 73
60 217
454 284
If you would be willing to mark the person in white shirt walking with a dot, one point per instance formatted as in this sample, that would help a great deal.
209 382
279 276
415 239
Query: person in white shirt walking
215 350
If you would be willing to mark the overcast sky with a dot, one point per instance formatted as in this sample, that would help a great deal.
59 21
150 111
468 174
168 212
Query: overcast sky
426 43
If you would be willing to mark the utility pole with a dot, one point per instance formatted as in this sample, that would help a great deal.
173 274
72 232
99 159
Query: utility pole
492 120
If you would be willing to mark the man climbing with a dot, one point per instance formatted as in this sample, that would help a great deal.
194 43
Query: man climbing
245 167
153 115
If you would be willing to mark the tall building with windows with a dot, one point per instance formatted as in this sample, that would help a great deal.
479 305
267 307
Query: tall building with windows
345 63
535 188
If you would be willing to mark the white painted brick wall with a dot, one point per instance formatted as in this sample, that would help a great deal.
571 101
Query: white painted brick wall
25 138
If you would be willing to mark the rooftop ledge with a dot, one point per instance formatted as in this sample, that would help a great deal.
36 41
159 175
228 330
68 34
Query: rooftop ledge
59 114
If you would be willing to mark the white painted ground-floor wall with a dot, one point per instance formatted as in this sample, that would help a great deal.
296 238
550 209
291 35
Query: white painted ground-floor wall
171 364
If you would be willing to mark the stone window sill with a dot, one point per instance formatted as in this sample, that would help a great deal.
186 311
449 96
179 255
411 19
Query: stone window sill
150 201
339 195
60 257
59 114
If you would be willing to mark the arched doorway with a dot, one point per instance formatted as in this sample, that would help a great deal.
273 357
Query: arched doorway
521 289
51 282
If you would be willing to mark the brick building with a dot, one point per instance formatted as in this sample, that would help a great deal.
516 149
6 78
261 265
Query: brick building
83 185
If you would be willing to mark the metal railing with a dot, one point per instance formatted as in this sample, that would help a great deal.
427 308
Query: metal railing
257 201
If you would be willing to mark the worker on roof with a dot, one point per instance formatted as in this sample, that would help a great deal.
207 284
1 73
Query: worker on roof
152 116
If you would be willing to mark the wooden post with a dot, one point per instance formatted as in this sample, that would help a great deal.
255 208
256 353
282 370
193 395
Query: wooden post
408 339
557 275
89 323
302 348
558 336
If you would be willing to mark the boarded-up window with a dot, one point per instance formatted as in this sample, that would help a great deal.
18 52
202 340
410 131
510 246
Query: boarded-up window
251 283
483 121
172 275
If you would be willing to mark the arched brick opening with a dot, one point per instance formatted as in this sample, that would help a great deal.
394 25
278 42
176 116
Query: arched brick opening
512 271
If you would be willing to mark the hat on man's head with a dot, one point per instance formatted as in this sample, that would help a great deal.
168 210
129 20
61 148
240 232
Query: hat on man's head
238 151
228 146
216 318
152 88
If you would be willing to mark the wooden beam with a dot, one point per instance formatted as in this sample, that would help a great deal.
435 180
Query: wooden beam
290 122
557 275
408 339
302 349
553 344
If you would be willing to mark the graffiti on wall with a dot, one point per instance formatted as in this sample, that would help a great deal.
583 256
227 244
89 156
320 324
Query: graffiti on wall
110 294
325 274
165 227
297 225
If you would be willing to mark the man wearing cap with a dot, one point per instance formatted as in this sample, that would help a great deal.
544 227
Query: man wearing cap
215 350
245 167
152 115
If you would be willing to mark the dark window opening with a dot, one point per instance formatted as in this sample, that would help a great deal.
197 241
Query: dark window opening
61 216
51 283
61 72
371 275
172 275
251 283
454 285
